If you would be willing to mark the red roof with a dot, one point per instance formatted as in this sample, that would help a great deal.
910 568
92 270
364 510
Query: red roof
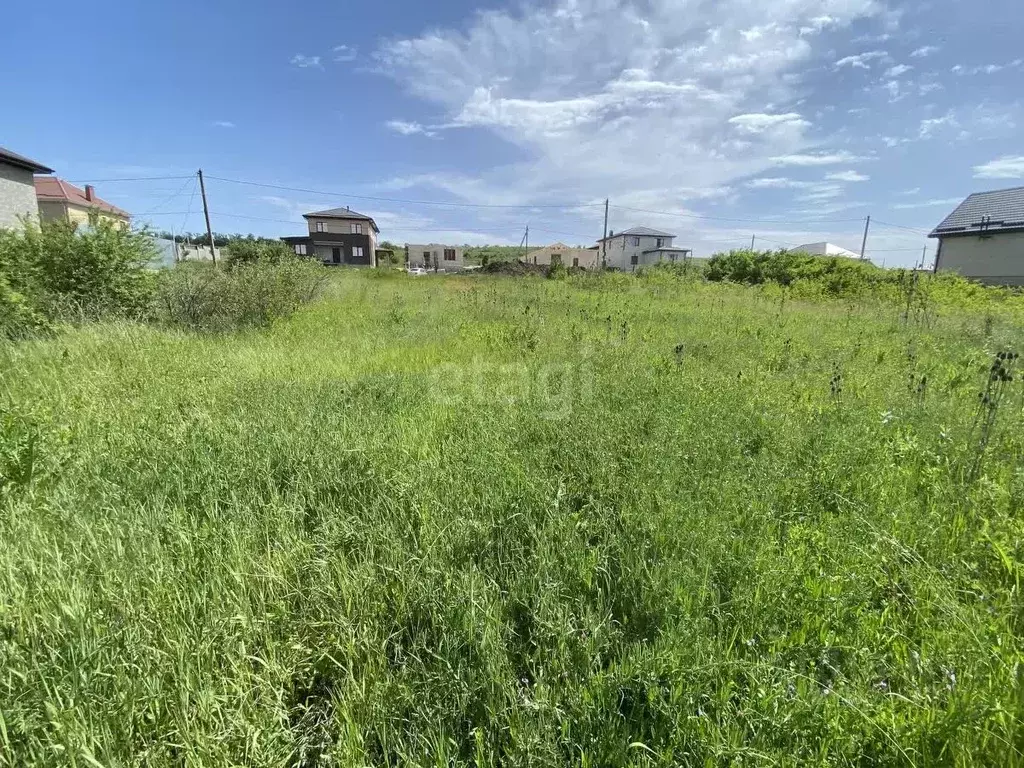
50 189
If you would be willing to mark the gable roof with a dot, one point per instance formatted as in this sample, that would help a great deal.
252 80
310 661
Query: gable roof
13 158
638 232
342 213
1001 210
50 189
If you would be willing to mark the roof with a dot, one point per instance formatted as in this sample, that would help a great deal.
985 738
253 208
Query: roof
669 250
638 232
998 211
826 249
50 189
342 213
13 158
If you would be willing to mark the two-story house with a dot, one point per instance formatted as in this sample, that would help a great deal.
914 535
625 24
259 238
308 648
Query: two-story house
338 236
638 247
62 201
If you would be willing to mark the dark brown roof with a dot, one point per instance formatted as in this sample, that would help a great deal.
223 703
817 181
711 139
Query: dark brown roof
13 158
50 189
1001 210
342 213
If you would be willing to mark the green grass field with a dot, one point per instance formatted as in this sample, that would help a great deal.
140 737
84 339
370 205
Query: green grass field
495 522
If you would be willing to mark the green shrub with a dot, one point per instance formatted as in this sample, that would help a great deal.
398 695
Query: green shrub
247 250
18 317
66 273
200 296
557 271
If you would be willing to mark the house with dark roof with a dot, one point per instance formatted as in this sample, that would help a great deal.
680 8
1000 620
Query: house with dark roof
638 247
983 238
61 201
338 236
17 188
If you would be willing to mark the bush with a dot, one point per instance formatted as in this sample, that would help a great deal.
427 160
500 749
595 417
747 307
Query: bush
18 317
199 296
247 250
557 271
61 272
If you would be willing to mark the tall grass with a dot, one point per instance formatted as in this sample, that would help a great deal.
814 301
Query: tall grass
483 521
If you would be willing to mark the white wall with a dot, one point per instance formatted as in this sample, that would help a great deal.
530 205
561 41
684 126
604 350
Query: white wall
588 259
436 251
997 258
619 251
17 196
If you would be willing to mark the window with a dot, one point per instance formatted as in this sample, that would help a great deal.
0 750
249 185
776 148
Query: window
660 242
575 261
449 254
300 249
636 241
426 258
556 258
634 259
319 226
357 252
357 229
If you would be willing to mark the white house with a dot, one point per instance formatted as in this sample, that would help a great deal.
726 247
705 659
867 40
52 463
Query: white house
638 247
826 249
560 253
983 238
435 257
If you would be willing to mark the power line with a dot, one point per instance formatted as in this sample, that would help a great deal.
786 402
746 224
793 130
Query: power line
139 178
168 199
900 226
400 200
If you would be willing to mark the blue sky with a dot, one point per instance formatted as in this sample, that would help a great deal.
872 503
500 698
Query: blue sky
791 120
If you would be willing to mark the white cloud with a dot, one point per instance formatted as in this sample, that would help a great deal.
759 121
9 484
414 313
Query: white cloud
929 126
408 128
305 62
1007 167
927 203
758 122
861 60
598 95
914 191
899 69
817 158
846 176
223 124
345 53
924 50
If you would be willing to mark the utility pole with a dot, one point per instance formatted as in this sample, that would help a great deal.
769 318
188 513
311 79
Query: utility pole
206 213
752 238
864 242
527 238
605 236
924 255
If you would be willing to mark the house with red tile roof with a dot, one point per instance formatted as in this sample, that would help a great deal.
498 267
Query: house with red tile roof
61 201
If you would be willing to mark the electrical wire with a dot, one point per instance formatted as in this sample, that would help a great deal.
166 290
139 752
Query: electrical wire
140 178
401 200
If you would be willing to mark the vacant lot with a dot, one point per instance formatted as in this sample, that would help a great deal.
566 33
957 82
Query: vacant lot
485 521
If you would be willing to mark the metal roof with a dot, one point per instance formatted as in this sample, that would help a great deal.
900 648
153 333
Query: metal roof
639 232
341 213
50 189
998 211
13 158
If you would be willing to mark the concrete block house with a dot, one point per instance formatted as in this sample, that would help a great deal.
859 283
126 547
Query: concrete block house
639 247
17 188
339 237
435 257
983 238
